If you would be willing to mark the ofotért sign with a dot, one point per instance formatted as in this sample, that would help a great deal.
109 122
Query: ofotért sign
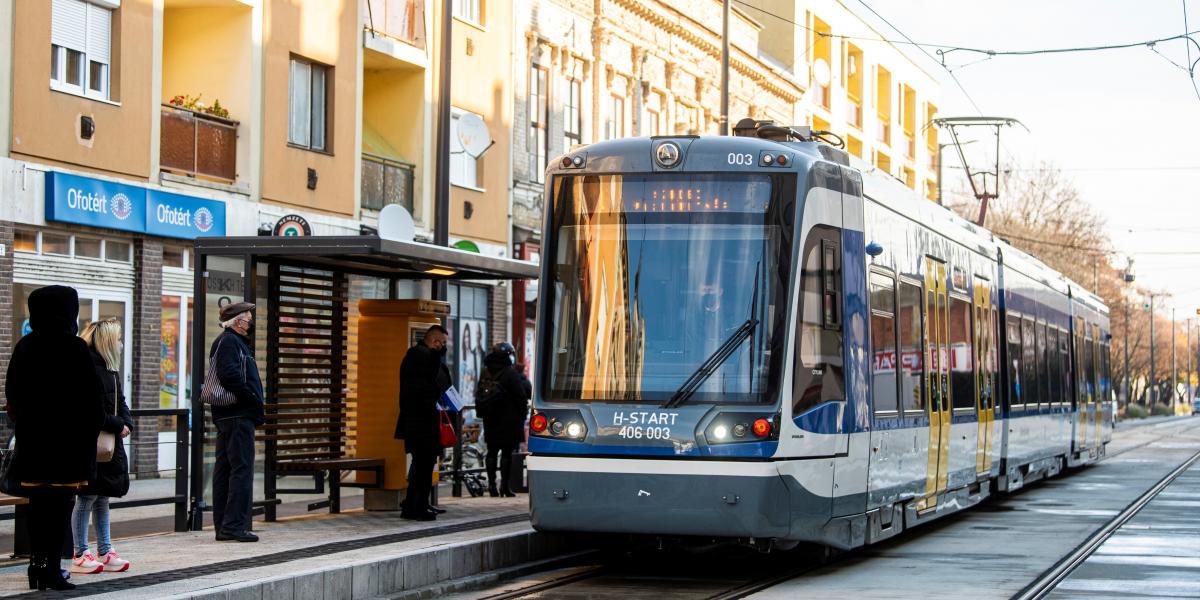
99 203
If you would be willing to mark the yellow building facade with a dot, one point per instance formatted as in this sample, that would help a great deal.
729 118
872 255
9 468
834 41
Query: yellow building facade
182 118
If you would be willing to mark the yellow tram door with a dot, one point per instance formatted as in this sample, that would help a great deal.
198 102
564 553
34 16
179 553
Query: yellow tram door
938 400
1096 398
985 405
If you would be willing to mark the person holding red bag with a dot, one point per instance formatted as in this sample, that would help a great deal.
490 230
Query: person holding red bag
424 377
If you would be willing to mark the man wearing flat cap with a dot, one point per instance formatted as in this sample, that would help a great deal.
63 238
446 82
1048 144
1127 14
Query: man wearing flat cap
232 355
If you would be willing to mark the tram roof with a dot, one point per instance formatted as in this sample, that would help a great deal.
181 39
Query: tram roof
370 255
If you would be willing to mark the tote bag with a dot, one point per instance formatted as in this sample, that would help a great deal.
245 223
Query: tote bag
211 393
446 429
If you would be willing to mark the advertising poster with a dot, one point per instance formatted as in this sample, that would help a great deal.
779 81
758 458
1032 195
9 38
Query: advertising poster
472 347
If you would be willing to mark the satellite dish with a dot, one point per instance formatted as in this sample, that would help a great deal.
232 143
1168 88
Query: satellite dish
396 224
473 135
821 72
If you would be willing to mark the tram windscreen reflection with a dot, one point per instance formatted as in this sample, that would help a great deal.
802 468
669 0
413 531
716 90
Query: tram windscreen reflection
653 273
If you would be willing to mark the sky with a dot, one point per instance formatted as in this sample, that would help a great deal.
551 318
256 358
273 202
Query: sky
1124 125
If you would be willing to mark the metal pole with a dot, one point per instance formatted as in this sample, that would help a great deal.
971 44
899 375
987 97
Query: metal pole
1153 384
725 67
1174 369
1128 383
1187 386
441 193
939 174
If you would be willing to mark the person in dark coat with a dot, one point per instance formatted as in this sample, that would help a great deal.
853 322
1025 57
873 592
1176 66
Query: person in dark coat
232 354
423 378
507 404
112 477
55 406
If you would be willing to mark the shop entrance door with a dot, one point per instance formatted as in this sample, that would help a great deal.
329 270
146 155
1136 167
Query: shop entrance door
96 305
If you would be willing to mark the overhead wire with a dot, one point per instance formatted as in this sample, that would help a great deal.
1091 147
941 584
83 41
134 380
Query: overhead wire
1191 70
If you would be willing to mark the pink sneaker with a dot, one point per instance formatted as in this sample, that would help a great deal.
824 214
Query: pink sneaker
86 564
112 562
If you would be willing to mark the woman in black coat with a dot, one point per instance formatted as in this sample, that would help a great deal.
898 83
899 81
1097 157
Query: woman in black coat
54 404
503 412
112 477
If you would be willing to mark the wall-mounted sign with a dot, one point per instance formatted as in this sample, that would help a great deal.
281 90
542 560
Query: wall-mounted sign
292 225
99 203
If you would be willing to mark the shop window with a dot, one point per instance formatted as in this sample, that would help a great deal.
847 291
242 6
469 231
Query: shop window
306 104
52 243
81 46
469 324
24 240
174 364
116 251
174 257
87 247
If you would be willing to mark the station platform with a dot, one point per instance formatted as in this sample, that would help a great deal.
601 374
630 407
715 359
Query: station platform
355 554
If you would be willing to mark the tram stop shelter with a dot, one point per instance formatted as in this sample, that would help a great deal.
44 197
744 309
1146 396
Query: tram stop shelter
334 317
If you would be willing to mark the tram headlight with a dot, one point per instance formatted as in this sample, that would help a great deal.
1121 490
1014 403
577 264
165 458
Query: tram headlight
732 428
575 430
556 428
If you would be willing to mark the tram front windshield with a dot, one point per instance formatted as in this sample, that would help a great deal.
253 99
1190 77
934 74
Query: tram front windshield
660 279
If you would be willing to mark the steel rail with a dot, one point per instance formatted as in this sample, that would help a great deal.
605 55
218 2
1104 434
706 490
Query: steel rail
1055 575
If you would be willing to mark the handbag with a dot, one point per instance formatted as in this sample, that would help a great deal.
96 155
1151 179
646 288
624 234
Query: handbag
211 393
106 442
446 429
8 475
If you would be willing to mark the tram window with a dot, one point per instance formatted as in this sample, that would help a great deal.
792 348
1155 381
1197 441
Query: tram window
818 365
1055 366
962 363
883 344
1105 373
912 382
1014 360
1042 364
1029 363
830 274
994 358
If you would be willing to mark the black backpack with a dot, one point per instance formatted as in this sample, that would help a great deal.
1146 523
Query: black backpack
488 396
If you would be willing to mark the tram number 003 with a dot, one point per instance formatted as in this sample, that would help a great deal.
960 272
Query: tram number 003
644 433
739 158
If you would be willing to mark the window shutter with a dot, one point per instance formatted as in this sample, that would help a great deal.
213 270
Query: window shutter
68 24
99 34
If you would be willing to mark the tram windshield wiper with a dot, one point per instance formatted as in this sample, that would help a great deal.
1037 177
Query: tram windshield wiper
710 366
720 355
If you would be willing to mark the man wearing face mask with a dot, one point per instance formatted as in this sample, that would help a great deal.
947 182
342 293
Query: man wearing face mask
423 378
232 354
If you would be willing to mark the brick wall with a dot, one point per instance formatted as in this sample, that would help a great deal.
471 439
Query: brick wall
499 314
147 352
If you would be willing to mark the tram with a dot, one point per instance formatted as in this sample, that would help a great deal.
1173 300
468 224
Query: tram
755 338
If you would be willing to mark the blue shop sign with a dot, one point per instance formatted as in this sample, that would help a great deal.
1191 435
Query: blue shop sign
98 203
176 215
87 201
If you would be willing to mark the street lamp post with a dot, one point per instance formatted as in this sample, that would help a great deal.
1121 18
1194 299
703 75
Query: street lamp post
1174 369
1153 384
1129 278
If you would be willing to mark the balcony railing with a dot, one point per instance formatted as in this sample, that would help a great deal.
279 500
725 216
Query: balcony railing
386 181
400 19
196 144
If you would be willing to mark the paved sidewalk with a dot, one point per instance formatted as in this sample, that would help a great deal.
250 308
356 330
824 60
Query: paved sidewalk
193 562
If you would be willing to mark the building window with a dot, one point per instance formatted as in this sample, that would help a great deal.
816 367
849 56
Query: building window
653 115
88 247
81 46
53 243
25 240
307 104
117 251
464 168
469 10
615 126
539 117
572 115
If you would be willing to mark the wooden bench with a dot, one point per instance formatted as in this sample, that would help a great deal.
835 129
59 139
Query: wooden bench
306 380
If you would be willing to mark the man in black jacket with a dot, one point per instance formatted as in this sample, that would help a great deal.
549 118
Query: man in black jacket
233 474
423 379
506 406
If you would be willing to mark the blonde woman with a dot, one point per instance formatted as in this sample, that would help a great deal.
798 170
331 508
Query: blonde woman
112 478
